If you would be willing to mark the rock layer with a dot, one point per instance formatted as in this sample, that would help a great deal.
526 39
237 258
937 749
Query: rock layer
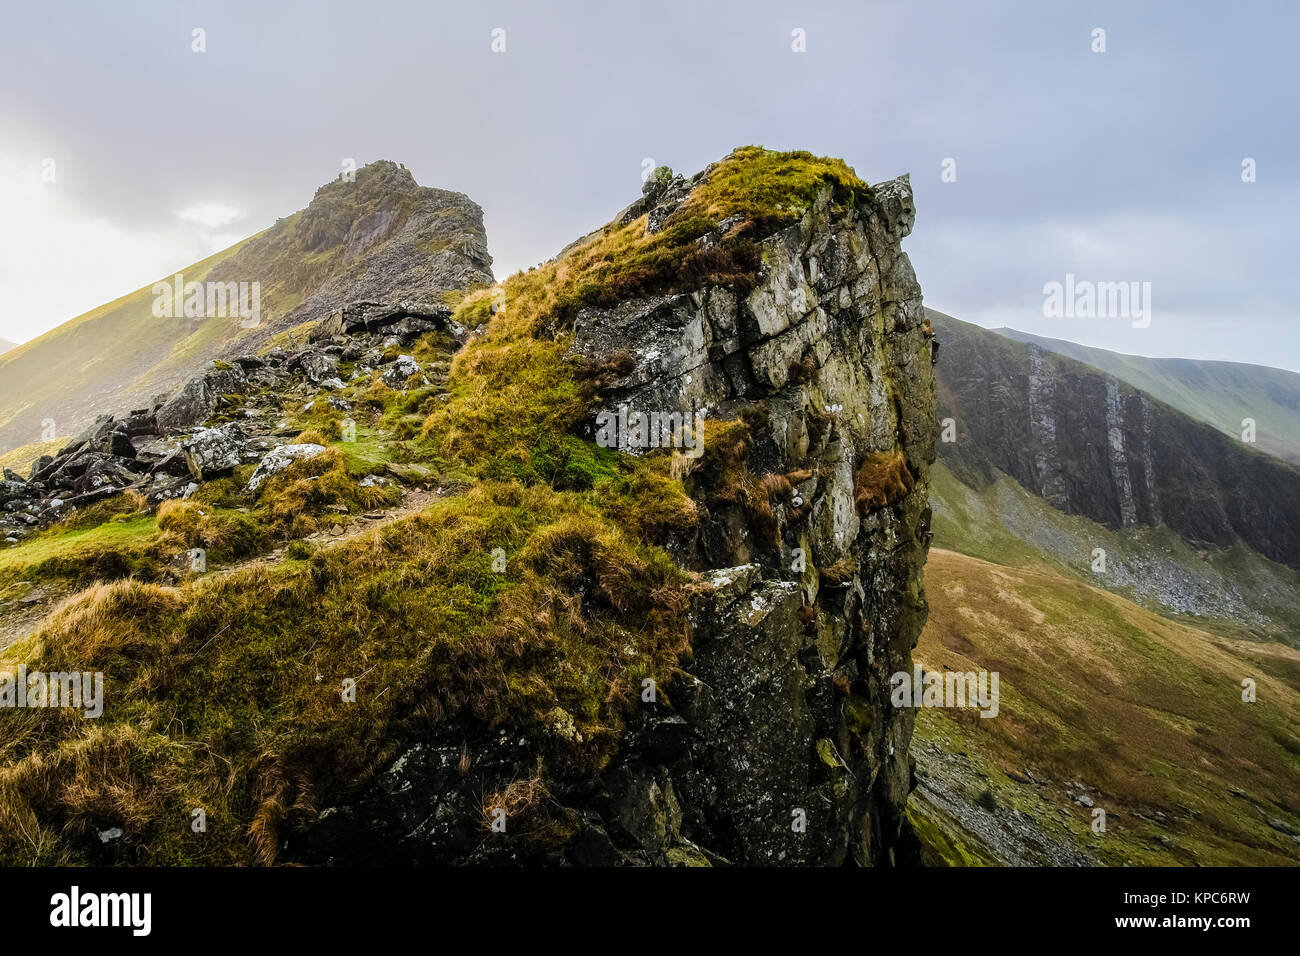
1092 445
778 745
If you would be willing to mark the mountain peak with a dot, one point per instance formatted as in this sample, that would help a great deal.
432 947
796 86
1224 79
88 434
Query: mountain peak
377 236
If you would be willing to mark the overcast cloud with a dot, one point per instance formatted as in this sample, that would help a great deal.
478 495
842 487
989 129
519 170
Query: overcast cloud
1115 166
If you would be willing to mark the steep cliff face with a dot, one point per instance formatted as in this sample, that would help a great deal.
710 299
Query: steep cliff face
1092 445
776 742
814 573
1220 393
568 636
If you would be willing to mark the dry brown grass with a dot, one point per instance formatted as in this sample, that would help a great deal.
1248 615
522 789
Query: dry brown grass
1145 709
521 796
881 479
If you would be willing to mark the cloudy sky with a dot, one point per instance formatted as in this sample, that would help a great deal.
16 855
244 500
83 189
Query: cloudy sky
1123 165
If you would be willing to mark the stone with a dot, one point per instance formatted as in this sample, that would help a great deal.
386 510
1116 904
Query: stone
212 450
197 399
834 316
280 459
396 375
11 490
319 365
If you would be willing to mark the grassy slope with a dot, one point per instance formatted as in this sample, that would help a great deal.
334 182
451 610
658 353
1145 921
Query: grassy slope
1130 698
1004 523
19 460
1146 710
1220 393
117 347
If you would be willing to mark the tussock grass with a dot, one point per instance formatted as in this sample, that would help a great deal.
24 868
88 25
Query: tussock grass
212 691
881 479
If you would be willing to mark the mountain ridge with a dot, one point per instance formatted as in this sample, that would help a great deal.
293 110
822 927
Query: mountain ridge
1093 445
1217 392
577 651
418 243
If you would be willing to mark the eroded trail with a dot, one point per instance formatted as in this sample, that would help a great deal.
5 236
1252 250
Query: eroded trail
22 615
414 500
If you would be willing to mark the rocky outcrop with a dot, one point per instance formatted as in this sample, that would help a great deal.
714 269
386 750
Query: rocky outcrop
380 239
807 607
778 746
225 416
198 398
737 710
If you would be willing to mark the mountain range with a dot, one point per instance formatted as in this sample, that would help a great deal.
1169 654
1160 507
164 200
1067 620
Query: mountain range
566 649
1223 394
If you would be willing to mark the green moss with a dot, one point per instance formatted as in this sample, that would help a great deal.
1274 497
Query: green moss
113 549
224 535
290 502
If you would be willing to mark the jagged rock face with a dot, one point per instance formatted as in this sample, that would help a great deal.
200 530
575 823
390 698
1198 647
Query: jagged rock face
802 622
779 745
1091 445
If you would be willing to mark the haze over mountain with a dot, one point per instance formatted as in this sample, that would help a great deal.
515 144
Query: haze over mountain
6 345
1221 393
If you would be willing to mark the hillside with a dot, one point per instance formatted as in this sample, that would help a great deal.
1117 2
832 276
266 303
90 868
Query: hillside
1120 680
1220 393
1092 445
382 236
1104 705
1234 590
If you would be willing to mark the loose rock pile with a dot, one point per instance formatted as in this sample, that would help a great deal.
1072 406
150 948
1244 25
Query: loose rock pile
226 416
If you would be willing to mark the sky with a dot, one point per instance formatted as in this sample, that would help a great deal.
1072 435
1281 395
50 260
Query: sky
125 154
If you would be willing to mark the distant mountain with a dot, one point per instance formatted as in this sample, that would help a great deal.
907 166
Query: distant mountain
380 237
1091 444
1221 393
6 345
